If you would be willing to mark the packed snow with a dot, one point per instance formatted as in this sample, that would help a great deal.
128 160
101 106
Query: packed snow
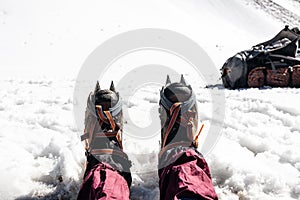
43 47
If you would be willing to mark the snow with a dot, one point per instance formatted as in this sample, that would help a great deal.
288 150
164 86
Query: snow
291 5
259 146
43 47
37 138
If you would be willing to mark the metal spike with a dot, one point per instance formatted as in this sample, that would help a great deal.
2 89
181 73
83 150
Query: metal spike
168 81
97 88
112 87
182 80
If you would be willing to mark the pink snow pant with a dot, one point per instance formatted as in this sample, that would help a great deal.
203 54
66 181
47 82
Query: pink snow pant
186 178
103 182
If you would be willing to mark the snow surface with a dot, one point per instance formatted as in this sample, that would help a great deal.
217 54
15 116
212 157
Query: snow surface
291 5
43 46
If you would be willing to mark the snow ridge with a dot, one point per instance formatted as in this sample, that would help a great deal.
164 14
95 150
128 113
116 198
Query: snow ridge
278 12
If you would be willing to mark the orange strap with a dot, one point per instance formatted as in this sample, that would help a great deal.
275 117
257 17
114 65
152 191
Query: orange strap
108 115
100 114
174 111
181 144
106 134
197 136
91 131
119 139
176 107
111 120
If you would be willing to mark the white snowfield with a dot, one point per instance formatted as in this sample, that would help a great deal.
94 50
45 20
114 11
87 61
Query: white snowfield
43 45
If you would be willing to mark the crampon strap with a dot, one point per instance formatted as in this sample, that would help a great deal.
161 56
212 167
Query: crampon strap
185 120
90 135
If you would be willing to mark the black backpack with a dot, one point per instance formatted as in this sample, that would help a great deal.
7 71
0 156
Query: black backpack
275 62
